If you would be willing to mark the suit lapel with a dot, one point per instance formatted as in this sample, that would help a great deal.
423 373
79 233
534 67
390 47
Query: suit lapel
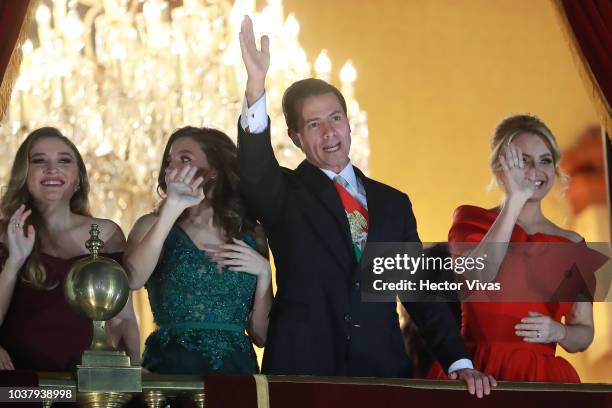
323 189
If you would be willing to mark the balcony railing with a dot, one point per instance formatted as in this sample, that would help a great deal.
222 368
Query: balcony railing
274 391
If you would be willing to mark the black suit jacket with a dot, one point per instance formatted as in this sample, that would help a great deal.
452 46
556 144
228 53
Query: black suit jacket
318 324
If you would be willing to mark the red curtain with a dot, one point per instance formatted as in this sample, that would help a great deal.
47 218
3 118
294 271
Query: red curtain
12 16
591 23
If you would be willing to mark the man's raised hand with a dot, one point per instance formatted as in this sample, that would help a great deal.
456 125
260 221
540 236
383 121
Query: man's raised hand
256 61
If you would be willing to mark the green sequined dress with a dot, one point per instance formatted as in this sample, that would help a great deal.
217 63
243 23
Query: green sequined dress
201 313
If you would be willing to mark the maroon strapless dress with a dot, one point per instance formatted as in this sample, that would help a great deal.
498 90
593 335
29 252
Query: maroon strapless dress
40 331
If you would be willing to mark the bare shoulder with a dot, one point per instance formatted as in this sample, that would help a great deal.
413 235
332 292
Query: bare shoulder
107 226
573 236
569 234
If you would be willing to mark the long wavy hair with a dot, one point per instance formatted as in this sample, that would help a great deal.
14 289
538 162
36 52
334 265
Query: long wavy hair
17 193
229 210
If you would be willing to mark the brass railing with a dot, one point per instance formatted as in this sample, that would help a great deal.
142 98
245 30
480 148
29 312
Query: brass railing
159 389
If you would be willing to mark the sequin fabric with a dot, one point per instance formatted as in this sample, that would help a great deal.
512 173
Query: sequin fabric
186 287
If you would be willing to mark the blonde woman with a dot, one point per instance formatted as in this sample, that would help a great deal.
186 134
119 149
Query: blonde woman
44 223
517 341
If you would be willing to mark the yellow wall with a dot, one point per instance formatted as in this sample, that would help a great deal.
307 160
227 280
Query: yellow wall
435 77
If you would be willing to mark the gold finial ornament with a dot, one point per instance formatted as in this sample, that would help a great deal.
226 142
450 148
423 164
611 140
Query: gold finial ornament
97 288
94 244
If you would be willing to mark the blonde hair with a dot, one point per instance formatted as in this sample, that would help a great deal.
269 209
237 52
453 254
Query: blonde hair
513 126
17 193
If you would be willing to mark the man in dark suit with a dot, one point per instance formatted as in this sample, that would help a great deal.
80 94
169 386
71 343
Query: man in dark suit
318 218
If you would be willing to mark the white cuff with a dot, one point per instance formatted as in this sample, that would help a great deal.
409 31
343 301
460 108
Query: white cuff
255 117
460 365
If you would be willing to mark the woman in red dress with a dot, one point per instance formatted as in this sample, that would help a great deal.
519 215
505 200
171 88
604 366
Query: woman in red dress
516 341
44 223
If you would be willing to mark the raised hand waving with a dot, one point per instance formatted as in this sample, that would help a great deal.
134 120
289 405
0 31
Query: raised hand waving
255 61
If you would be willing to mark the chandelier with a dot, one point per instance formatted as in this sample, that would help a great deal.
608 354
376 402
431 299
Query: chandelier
118 77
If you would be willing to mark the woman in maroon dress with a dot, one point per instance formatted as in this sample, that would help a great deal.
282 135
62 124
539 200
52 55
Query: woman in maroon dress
517 340
44 223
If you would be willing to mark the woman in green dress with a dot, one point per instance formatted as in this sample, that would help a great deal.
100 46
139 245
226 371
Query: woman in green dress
203 261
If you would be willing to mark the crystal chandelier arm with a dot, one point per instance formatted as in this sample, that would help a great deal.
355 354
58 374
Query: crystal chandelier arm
88 21
133 7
